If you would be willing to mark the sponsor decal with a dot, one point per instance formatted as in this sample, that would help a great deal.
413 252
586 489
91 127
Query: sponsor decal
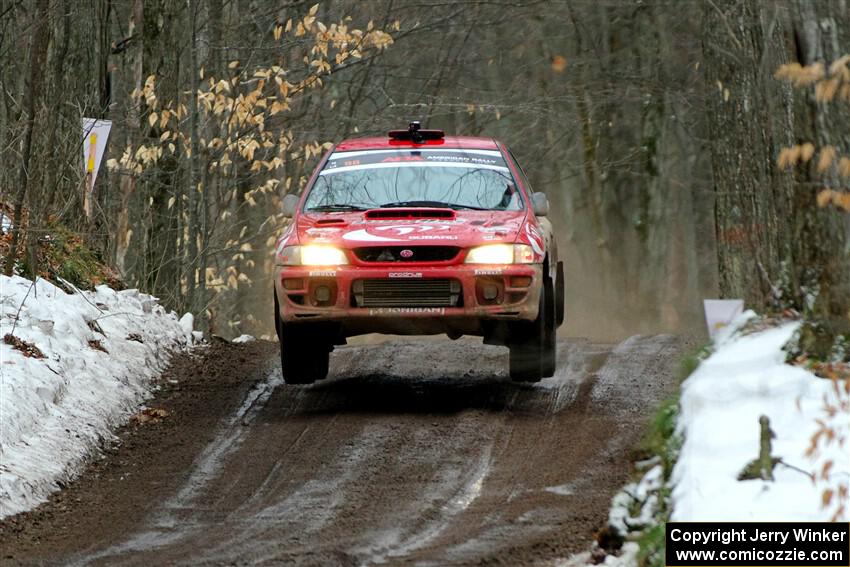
405 274
408 311
322 231
392 159
368 159
334 169
403 229
323 274
496 272
374 222
281 242
397 232
465 159
363 236
535 239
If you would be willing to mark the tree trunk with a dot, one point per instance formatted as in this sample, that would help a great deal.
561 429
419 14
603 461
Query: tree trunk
749 188
820 237
776 247
123 232
194 231
38 54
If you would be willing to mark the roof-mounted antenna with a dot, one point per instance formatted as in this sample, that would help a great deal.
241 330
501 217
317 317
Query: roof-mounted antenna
413 128
416 134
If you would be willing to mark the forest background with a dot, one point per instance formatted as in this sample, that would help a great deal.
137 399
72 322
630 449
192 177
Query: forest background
690 149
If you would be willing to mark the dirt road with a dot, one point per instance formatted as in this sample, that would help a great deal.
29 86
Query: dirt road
419 453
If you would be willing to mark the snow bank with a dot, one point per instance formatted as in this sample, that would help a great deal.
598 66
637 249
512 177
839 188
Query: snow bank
55 411
721 403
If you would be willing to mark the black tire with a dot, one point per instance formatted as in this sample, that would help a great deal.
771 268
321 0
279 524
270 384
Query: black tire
560 296
550 347
277 317
304 353
532 348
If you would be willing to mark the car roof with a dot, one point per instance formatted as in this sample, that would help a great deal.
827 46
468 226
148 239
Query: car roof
384 142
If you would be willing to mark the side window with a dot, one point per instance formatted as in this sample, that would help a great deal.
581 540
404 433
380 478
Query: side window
523 178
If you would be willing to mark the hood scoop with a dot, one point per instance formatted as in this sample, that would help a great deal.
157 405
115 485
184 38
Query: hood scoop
410 213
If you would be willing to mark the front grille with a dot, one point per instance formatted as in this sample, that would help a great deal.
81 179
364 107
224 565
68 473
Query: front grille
404 292
406 253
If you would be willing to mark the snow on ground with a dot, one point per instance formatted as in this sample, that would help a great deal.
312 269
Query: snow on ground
721 402
644 494
55 411
627 558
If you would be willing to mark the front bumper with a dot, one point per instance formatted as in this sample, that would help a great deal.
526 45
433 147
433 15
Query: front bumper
311 294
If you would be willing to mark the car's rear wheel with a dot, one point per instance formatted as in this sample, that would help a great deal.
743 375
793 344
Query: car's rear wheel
532 345
304 353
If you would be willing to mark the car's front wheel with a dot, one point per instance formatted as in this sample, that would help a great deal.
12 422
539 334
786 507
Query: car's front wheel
304 353
532 345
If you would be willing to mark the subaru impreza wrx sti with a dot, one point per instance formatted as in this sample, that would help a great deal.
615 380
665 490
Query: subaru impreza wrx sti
417 233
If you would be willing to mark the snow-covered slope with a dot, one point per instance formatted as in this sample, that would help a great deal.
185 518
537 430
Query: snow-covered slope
101 348
721 403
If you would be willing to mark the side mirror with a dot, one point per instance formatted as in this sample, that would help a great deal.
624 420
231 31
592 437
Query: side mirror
540 204
290 205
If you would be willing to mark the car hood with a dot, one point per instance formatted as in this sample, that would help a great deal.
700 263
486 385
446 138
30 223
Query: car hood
407 227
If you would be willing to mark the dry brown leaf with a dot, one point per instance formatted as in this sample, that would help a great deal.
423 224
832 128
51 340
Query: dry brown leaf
97 345
844 167
826 157
559 63
150 415
28 349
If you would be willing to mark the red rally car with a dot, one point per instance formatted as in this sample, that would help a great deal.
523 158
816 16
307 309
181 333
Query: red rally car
417 234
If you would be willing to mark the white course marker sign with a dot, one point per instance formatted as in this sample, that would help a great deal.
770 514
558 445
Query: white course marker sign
721 312
95 134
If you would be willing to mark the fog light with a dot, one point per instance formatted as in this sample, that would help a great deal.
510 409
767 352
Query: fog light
293 283
323 293
490 292
520 281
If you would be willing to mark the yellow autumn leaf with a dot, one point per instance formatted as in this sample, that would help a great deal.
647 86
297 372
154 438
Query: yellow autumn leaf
824 197
825 159
844 167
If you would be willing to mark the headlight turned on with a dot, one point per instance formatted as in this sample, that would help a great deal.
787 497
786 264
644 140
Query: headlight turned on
501 254
313 255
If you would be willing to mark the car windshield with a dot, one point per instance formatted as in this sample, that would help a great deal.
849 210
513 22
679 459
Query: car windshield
457 179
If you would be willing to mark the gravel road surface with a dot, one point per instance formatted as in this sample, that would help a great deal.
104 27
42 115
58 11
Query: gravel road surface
410 453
